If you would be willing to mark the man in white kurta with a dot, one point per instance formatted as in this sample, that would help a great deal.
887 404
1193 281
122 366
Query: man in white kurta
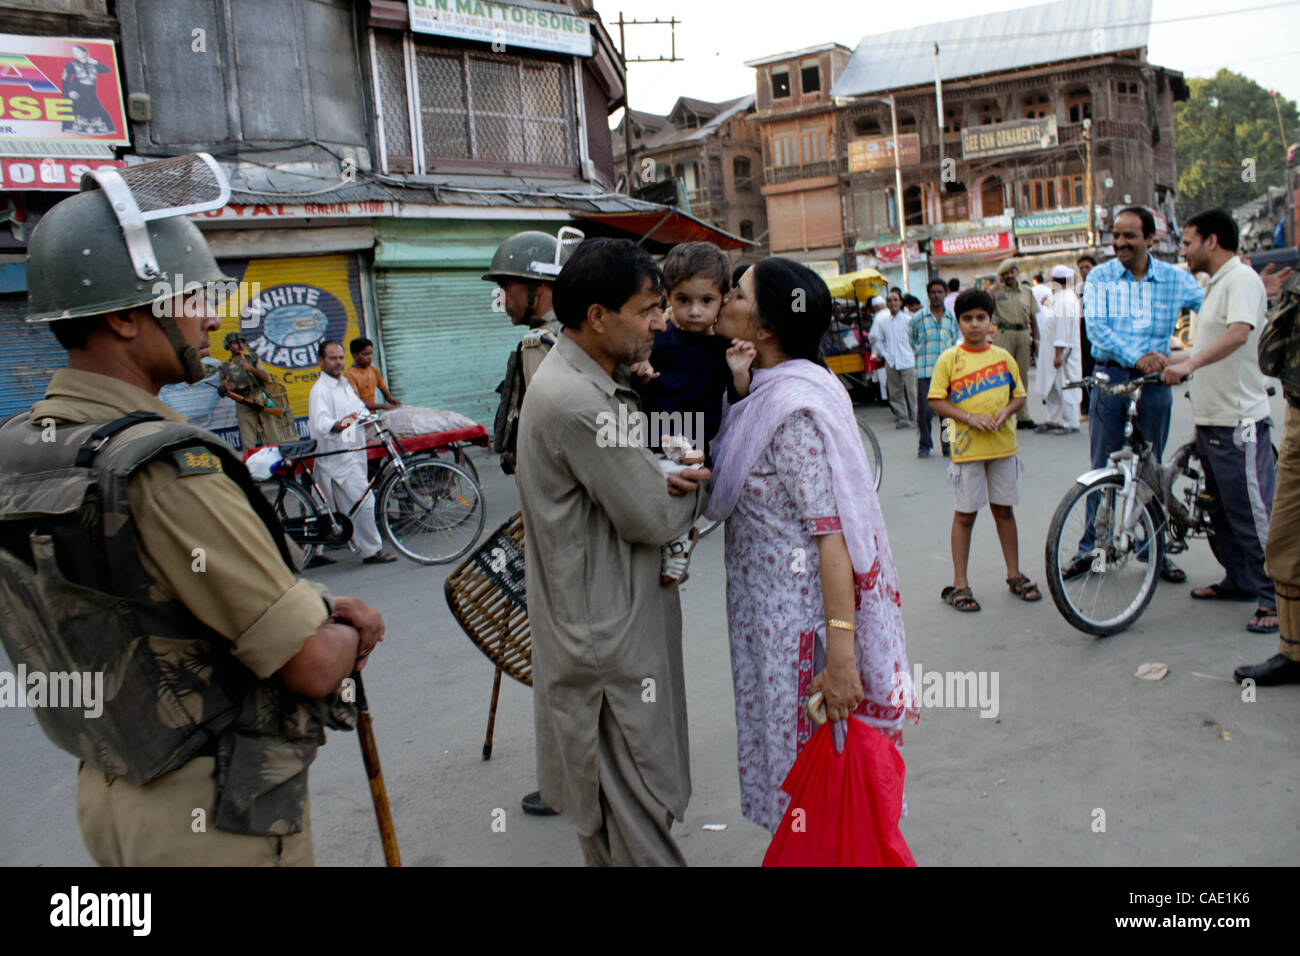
332 410
1067 358
608 685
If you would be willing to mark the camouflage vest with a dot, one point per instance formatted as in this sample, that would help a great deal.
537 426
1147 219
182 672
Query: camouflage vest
1279 343
505 426
77 599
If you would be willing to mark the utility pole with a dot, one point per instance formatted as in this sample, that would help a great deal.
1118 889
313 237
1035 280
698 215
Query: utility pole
1088 197
627 90
938 101
898 192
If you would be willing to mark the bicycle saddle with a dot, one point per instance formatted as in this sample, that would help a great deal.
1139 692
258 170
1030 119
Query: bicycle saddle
298 449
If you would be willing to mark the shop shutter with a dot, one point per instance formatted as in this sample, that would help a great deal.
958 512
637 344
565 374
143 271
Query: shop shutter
443 345
31 355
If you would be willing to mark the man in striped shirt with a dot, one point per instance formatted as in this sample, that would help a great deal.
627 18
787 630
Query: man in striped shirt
932 331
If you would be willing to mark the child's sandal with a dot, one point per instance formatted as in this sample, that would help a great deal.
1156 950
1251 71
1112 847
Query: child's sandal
1024 589
959 598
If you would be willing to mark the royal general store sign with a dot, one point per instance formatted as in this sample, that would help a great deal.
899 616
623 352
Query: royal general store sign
504 25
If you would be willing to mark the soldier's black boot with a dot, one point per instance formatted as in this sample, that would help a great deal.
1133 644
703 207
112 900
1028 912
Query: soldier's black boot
1276 670
533 804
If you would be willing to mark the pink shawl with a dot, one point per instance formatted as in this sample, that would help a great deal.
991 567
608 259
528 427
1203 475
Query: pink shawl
747 430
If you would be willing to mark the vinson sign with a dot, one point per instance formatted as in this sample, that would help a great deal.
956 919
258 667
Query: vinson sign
543 27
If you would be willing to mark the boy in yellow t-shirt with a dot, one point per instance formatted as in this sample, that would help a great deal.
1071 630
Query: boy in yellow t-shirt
976 386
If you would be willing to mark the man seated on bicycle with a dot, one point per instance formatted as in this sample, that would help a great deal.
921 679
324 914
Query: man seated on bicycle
332 412
1231 410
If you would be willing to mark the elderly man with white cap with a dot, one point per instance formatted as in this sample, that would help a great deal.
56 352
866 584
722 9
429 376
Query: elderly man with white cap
1067 359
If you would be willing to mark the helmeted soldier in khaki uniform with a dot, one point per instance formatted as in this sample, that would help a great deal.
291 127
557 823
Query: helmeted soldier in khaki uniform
136 546
524 267
1013 315
262 415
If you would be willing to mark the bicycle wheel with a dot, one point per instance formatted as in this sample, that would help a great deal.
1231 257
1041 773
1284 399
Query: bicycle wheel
297 514
875 460
432 514
1121 580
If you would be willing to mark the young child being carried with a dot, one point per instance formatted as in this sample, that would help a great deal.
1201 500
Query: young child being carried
976 386
690 369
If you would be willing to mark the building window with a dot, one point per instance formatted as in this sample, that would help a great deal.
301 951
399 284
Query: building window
1042 195
867 126
955 204
477 106
780 84
914 206
746 229
742 174
797 147
992 201
1036 106
810 78
952 119
1078 105
906 122
989 112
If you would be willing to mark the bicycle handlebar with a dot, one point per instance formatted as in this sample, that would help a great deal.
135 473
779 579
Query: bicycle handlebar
1100 380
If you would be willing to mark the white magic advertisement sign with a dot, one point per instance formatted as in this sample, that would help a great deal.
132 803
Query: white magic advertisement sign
504 25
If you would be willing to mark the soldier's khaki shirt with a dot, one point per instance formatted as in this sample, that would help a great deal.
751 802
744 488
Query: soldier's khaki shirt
1013 308
537 342
246 592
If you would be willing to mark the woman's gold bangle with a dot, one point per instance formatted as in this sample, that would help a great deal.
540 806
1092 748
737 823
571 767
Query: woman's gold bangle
842 625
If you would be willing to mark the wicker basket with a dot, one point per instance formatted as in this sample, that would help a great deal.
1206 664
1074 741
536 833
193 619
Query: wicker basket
486 595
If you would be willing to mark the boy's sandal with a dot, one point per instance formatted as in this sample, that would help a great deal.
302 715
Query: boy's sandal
960 598
1024 589
1257 625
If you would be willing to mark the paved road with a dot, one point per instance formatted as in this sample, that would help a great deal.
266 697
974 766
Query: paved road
1185 771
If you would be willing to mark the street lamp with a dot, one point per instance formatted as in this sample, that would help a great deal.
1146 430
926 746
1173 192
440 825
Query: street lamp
898 179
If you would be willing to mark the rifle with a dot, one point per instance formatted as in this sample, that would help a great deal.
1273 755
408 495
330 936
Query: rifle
378 793
273 409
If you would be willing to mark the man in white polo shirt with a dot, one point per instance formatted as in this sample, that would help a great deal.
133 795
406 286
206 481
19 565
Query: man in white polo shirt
1231 410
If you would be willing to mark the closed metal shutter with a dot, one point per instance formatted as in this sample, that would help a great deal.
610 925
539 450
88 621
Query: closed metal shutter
443 345
31 355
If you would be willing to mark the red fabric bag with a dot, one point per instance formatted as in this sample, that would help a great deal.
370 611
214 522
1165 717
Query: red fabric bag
844 807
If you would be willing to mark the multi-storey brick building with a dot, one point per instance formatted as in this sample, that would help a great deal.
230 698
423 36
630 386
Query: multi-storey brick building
1005 169
714 152
802 153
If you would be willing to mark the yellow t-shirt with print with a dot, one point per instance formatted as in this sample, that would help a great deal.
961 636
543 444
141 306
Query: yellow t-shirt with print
981 382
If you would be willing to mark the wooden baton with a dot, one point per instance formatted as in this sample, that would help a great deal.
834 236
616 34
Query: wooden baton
370 755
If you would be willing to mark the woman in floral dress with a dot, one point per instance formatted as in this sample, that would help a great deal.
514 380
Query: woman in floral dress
807 556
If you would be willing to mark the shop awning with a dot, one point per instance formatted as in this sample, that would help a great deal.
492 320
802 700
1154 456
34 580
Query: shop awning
658 229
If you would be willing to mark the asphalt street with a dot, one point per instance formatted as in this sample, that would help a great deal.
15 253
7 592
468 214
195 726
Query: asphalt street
1183 770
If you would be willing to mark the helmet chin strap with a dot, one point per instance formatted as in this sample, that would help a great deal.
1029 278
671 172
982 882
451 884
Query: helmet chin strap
188 354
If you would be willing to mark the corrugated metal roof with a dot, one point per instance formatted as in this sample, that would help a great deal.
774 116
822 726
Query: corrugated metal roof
660 132
994 43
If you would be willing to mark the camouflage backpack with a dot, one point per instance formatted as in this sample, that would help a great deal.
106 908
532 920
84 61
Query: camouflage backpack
1279 343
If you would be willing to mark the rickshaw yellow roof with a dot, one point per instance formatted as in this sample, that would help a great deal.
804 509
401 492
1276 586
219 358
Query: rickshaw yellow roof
866 282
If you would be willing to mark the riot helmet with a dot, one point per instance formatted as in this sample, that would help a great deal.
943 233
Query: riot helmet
124 242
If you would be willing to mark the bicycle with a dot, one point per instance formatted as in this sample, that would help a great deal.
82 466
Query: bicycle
431 511
1114 527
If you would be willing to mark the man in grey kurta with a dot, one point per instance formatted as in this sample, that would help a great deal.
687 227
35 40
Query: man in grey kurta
609 691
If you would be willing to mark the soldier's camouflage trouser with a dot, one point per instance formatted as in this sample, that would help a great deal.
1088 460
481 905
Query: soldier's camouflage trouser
156 825
1282 556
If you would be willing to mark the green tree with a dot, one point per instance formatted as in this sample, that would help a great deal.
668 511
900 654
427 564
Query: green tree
1230 149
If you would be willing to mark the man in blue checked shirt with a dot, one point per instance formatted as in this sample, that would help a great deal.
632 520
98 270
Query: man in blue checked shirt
1131 304
931 331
